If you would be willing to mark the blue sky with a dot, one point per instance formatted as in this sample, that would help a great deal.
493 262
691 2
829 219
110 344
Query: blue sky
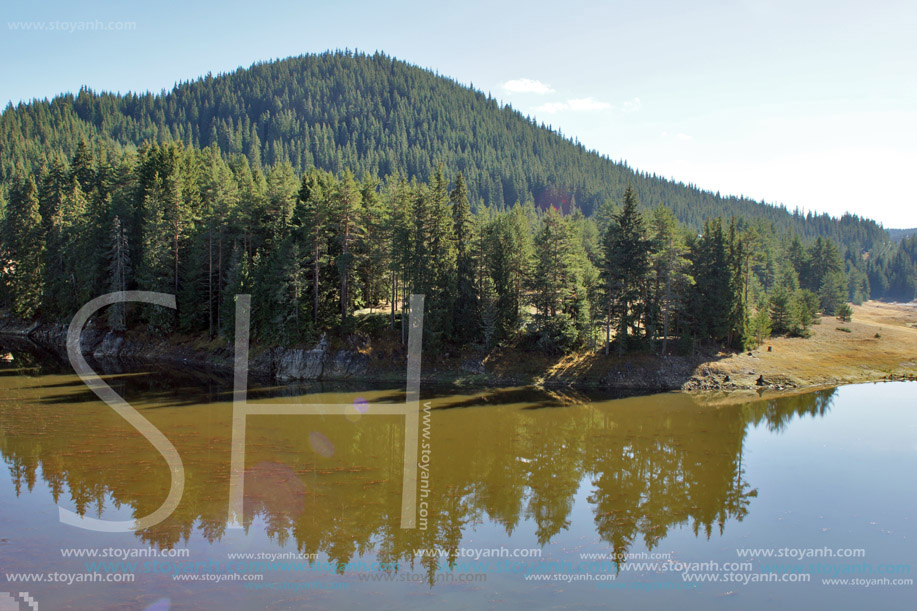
809 104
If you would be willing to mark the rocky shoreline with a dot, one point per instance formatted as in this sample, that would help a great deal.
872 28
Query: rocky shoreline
358 360
280 364
321 362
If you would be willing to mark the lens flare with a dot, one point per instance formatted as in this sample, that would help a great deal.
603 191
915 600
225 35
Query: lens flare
321 445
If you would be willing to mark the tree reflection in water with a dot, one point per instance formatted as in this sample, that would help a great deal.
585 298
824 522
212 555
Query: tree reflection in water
650 464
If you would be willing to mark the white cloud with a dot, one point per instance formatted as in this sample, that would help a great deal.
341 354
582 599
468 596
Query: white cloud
587 104
552 107
679 136
631 105
525 85
576 105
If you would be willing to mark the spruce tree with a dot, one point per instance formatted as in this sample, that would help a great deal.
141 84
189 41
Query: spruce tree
625 269
24 243
119 268
465 312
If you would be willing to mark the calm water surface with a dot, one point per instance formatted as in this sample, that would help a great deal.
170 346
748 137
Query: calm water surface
640 502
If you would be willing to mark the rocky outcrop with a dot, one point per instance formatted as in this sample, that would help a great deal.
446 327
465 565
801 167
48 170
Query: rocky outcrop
298 364
282 364
661 374
17 328
347 364
111 346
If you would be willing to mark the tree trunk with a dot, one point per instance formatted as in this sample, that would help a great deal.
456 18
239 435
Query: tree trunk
392 323
315 284
345 273
220 280
175 242
402 311
608 327
210 282
665 311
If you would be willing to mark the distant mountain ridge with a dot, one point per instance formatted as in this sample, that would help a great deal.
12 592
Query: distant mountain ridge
899 234
373 113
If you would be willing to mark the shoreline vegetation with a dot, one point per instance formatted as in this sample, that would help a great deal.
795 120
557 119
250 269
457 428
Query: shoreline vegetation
879 343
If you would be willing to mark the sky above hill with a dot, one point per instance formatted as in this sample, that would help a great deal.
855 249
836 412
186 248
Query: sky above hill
811 105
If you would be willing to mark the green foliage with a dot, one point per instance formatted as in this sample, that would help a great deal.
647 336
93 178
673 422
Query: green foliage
844 312
557 334
466 315
685 345
626 269
715 296
759 328
807 309
783 312
507 251
23 250
119 271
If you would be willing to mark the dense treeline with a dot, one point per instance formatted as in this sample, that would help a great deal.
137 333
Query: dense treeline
316 250
379 116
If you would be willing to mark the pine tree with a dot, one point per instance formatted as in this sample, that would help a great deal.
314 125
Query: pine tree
157 270
465 313
312 218
434 257
783 311
669 267
553 265
119 270
557 285
372 257
22 236
844 312
625 269
718 313
346 219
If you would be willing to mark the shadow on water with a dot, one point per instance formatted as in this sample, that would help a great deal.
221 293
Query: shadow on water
332 484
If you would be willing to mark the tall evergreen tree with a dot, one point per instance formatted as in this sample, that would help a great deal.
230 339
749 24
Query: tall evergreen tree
465 312
24 254
347 216
625 269
669 266
119 270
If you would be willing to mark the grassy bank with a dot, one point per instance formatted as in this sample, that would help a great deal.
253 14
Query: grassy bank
879 343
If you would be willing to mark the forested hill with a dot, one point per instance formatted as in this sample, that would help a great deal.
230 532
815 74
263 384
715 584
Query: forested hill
376 114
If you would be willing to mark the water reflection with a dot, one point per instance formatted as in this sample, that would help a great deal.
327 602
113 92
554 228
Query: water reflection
332 485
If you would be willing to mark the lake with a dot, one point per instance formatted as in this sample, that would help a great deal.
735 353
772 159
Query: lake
529 498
